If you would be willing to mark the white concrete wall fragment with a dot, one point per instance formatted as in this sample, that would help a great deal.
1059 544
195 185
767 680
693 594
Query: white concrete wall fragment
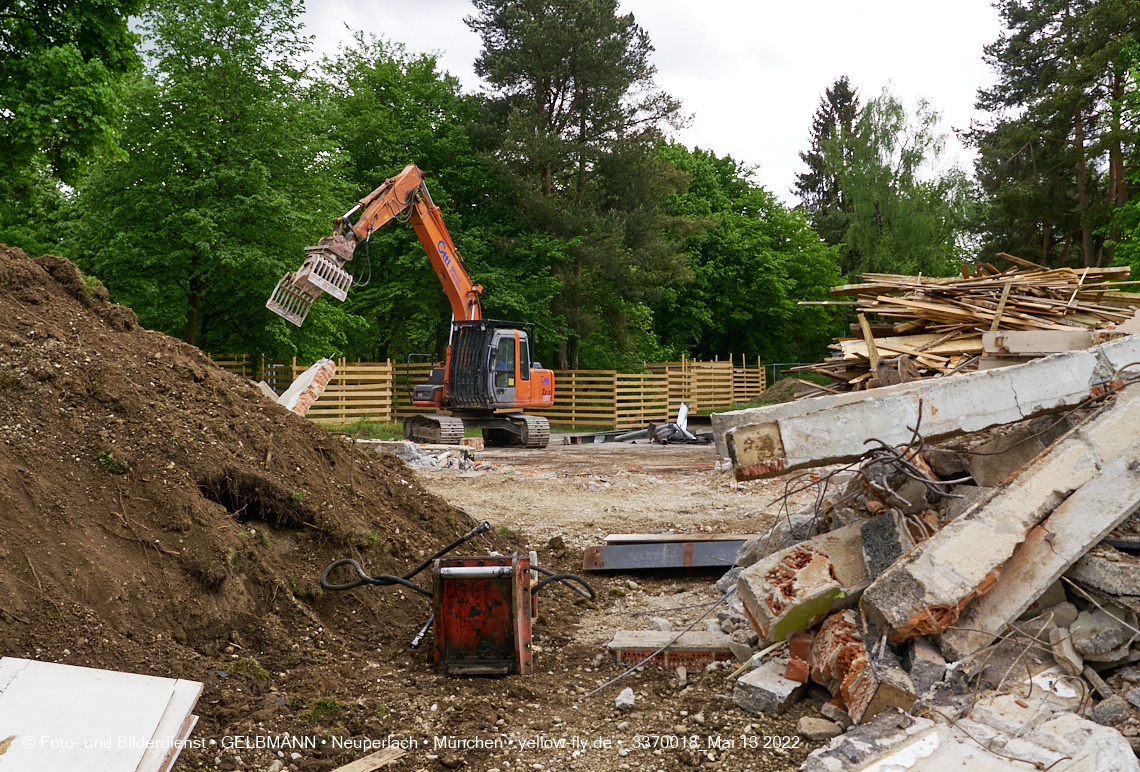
834 428
308 387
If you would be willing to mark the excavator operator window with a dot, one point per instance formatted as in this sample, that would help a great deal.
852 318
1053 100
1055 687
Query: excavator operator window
505 364
524 357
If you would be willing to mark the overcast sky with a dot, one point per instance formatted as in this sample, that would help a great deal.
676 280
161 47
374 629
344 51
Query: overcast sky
750 74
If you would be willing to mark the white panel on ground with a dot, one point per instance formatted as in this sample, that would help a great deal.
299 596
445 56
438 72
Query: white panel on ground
65 717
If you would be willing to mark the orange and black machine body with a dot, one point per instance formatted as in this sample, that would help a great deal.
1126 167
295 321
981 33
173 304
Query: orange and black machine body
489 369
483 611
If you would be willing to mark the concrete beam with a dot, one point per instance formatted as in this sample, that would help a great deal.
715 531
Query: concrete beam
924 592
1043 342
769 441
1048 550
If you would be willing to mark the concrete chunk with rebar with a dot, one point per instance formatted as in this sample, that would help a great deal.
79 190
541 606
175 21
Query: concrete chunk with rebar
768 441
926 590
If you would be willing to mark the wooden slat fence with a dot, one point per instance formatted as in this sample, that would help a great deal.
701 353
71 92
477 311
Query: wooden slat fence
582 398
359 390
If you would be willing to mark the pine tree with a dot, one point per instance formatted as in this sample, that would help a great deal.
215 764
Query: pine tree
575 118
818 188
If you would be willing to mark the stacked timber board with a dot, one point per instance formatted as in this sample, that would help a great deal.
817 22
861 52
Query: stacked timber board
915 327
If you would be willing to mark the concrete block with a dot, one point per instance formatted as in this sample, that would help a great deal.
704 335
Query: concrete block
1099 633
925 591
925 665
765 690
1108 712
1091 747
817 729
833 711
1062 614
1108 570
1132 697
788 591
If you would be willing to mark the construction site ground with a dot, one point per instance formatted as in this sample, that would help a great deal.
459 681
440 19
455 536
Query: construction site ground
163 517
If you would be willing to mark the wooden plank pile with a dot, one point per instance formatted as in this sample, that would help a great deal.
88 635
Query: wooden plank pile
929 327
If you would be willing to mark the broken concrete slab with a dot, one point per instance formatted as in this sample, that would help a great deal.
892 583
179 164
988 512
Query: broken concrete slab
1048 550
1108 712
308 387
1034 343
971 495
765 690
873 685
767 441
788 591
1060 742
925 591
1108 570
786 531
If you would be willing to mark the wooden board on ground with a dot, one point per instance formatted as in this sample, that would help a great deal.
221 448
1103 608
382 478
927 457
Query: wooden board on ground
373 761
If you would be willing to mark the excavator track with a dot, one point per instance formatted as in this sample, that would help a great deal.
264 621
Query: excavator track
435 428
536 429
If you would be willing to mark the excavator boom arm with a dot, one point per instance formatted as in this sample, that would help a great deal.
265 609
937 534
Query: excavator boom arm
323 269
407 192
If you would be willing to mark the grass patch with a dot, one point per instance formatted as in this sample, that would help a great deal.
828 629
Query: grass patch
506 532
325 707
367 429
112 464
252 668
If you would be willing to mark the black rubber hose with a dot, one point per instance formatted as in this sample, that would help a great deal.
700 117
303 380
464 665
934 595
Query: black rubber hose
386 580
564 579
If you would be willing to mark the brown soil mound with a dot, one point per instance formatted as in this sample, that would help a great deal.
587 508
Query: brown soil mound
158 509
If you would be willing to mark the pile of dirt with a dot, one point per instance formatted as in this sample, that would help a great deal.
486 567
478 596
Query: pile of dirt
159 510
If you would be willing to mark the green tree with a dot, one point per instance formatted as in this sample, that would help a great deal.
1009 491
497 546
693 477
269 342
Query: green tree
573 120
61 65
752 260
229 175
1061 76
818 188
906 215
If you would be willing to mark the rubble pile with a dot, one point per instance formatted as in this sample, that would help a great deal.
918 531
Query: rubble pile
929 327
968 594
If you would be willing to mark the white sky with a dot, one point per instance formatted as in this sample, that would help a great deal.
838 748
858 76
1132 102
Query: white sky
750 74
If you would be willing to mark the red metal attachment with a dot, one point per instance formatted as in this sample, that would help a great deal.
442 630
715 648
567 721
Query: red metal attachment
483 613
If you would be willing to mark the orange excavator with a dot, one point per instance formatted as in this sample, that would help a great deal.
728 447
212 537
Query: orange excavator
489 373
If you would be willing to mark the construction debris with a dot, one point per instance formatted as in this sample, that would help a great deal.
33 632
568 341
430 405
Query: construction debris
932 327
768 441
994 548
308 387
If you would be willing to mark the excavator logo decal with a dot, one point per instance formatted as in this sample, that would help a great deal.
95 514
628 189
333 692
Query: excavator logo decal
441 247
